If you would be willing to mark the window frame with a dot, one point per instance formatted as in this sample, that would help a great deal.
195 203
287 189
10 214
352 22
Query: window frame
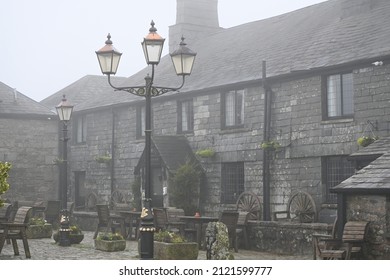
140 121
80 120
344 172
238 111
231 190
190 116
325 101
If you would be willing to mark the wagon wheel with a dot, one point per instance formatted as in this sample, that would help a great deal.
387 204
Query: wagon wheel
249 202
117 197
302 207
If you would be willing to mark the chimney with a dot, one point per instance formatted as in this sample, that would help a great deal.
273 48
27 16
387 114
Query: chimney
194 19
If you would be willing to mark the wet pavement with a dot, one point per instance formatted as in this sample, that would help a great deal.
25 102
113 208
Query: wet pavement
47 249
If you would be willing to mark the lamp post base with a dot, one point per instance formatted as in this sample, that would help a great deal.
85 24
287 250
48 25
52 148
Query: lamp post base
64 231
147 230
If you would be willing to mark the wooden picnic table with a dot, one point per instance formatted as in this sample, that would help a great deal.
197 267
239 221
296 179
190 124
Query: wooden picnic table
198 223
131 218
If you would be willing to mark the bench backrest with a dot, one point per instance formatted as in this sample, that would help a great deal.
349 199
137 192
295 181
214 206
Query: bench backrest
160 218
23 214
242 218
355 231
5 212
173 214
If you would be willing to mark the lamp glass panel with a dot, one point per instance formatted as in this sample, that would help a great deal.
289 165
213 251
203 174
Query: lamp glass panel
109 62
183 63
152 52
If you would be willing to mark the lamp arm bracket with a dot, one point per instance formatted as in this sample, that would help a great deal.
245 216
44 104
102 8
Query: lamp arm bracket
141 90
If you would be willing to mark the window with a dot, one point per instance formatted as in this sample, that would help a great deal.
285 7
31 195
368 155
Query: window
185 116
232 103
80 129
335 169
140 119
339 96
232 181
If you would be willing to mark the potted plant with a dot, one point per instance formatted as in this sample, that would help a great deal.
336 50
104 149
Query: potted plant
103 159
270 145
110 242
205 153
364 141
171 246
39 228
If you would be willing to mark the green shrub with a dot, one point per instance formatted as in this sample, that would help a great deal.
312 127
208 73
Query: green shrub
4 186
184 189
168 237
37 221
108 236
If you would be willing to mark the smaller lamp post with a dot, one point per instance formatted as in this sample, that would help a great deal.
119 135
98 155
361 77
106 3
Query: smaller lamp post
64 111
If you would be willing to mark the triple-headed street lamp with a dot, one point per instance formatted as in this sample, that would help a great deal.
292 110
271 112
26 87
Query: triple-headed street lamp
64 111
183 60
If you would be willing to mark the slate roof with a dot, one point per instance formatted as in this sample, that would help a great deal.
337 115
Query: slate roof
91 89
376 176
373 178
13 103
379 147
174 151
307 39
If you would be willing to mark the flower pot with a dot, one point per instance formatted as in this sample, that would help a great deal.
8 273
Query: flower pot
175 251
76 238
39 231
110 246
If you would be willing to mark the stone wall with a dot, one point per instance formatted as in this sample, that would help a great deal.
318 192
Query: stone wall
297 125
376 210
31 146
285 237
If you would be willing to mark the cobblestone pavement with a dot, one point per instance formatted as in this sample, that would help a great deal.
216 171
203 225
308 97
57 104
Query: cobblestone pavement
46 249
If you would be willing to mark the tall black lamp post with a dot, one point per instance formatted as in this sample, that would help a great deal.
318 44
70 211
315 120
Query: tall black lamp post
64 111
183 60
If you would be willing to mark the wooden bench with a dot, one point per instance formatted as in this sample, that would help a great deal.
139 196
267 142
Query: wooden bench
17 230
351 243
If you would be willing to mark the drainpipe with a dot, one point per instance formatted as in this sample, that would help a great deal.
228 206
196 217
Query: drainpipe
266 138
112 171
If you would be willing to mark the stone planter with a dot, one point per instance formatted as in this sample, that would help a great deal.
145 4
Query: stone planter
110 246
175 251
34 231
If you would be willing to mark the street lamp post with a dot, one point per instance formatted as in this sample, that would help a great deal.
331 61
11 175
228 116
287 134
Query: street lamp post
183 59
64 111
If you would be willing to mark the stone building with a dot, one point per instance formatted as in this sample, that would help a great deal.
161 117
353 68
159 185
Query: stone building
28 140
326 78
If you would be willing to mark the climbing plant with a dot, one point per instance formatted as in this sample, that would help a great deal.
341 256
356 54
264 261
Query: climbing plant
4 186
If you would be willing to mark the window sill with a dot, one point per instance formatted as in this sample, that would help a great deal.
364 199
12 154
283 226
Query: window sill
234 130
335 121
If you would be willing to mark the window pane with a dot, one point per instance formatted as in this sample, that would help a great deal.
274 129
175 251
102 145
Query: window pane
229 109
184 116
232 181
347 94
337 169
334 96
240 107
